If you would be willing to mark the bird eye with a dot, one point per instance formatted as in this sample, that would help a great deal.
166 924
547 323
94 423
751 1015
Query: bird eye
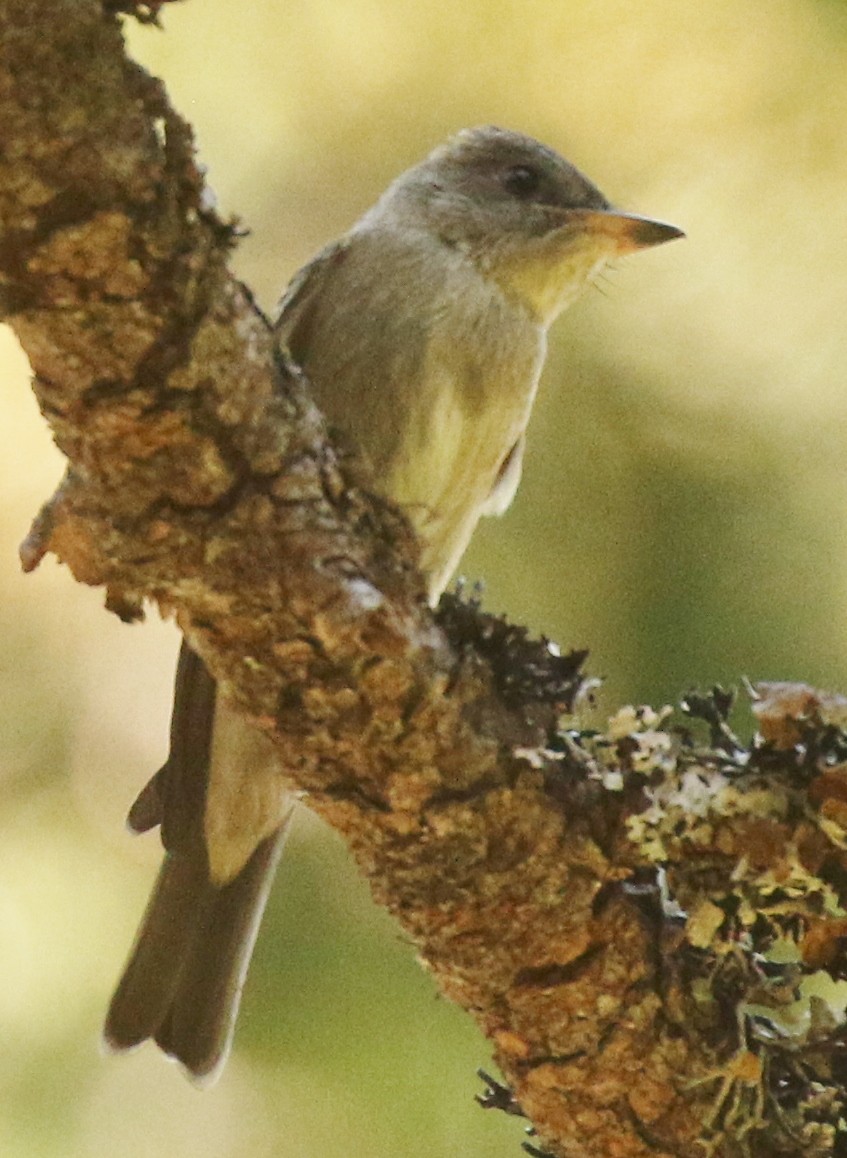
522 180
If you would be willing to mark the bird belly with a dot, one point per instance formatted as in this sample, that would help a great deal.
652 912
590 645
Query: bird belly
444 473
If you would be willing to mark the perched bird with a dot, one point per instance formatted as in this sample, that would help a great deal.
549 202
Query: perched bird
422 332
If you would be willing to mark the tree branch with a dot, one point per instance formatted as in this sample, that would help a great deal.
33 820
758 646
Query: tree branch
522 861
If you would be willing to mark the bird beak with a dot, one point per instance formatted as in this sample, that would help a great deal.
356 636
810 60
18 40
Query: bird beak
626 231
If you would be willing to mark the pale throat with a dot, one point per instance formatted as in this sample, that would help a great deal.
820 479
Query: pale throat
548 278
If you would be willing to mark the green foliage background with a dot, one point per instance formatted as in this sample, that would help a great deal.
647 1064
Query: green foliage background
682 514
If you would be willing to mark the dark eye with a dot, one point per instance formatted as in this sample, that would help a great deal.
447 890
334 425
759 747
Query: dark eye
522 181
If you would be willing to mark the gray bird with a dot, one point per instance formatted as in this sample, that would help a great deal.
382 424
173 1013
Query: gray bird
423 333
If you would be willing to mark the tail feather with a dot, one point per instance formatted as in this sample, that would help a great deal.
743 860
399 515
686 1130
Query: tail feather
182 984
166 940
199 1024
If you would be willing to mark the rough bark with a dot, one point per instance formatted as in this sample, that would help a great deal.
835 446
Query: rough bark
628 1009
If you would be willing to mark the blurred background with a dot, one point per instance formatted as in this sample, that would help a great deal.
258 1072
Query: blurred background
682 514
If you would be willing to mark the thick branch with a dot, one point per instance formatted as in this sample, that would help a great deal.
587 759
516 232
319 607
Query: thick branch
200 478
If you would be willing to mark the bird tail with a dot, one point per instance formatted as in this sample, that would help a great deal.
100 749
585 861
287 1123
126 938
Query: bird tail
182 984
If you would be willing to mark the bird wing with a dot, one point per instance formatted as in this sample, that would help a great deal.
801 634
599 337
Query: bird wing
295 306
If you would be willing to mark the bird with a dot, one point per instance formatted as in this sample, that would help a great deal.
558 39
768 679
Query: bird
422 334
